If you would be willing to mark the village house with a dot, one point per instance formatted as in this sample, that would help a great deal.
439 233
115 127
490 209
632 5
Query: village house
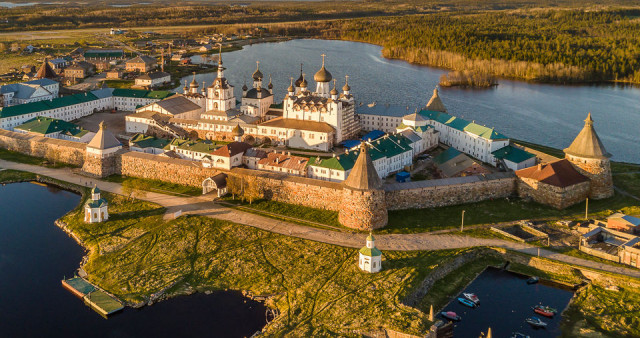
79 70
152 80
141 63
103 54
284 163
624 223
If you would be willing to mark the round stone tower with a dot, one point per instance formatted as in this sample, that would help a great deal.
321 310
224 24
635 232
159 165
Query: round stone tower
588 155
363 200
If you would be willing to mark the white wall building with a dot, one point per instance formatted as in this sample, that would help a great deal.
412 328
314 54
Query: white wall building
27 92
369 257
96 209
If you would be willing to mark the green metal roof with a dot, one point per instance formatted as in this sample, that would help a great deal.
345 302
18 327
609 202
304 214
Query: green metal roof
197 146
446 155
144 141
96 204
388 146
39 106
370 251
513 154
46 125
98 54
154 94
463 125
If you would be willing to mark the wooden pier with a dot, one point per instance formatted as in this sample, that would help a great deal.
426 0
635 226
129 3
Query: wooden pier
97 299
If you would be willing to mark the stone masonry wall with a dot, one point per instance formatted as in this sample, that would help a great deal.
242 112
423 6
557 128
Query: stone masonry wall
52 149
363 210
296 190
599 172
162 168
449 191
556 197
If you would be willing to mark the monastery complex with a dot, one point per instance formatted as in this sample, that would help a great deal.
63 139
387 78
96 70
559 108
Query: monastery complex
205 136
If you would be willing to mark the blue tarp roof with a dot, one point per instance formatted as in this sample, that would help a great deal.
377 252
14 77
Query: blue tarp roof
350 143
373 135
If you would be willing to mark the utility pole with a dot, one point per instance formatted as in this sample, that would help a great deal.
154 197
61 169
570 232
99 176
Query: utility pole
462 223
586 210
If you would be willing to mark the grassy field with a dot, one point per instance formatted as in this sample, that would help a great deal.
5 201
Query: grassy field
22 158
13 60
500 210
119 83
155 185
15 176
317 288
629 182
297 211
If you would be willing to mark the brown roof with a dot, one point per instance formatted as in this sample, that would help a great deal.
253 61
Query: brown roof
280 122
177 104
435 104
284 161
45 71
587 143
559 173
363 175
231 149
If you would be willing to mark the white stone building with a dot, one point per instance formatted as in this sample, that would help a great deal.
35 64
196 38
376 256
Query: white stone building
152 80
96 209
369 257
27 92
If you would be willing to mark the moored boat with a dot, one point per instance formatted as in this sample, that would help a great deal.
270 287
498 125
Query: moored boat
472 297
536 322
541 311
548 308
519 335
532 280
450 315
466 302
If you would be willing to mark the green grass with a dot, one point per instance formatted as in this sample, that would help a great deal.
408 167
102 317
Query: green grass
608 313
156 185
291 210
7 176
14 156
628 182
119 83
317 287
500 210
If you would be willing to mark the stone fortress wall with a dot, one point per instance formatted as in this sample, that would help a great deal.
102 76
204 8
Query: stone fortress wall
449 191
55 150
357 209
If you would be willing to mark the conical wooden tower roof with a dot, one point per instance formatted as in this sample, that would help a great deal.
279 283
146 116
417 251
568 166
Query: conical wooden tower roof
104 139
435 104
363 175
45 71
587 143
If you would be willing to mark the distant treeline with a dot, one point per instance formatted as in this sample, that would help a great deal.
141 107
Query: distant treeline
538 45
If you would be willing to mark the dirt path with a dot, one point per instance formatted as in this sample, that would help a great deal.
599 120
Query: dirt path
203 206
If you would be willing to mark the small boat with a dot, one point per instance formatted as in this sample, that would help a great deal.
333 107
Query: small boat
536 322
519 335
466 302
539 310
532 280
547 308
472 297
450 315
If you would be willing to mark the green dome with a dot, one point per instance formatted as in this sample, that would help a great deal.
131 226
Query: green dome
371 252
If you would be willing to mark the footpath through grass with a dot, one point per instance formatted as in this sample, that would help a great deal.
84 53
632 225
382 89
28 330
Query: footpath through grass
498 211
290 210
317 287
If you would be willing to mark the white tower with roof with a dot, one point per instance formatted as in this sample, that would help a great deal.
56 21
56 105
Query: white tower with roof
96 208
370 258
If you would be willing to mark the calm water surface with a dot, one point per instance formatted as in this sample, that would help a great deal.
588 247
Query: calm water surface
35 255
547 114
505 302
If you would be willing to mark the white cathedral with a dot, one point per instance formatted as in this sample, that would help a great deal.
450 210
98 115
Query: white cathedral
308 119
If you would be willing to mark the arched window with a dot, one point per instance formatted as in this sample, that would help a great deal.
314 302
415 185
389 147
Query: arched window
215 105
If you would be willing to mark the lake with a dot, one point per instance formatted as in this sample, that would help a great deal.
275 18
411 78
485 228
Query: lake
35 255
505 301
542 113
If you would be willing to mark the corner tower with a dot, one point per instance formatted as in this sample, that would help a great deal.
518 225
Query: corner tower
588 155
363 200
100 156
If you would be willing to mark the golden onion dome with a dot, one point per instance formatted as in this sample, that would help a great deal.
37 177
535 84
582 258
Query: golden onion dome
322 75
237 130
